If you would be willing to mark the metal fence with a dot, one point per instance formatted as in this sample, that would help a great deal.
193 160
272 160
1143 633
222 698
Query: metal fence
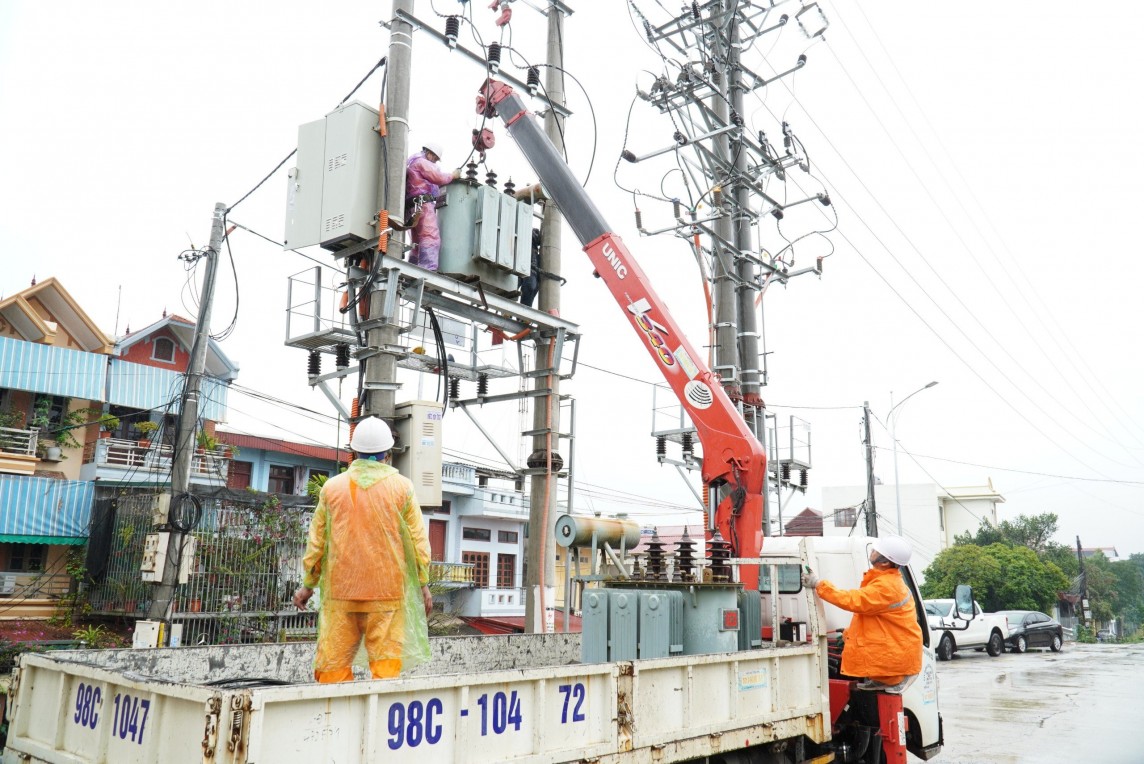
246 565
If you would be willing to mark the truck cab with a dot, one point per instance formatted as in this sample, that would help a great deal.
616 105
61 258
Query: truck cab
843 562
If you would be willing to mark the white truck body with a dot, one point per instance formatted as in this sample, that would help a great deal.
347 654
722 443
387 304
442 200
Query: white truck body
951 632
519 698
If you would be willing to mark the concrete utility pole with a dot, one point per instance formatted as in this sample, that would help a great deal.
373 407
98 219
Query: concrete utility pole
164 594
540 562
380 394
1083 584
871 508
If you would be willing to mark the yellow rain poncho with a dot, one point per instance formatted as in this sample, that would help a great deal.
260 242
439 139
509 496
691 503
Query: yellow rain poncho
368 555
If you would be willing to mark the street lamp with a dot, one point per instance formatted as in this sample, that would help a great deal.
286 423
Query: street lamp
894 437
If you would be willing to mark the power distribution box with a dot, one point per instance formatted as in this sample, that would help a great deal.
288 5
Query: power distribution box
155 557
331 196
418 455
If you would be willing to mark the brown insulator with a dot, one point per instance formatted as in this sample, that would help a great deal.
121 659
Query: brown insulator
471 172
491 178
655 558
454 388
718 553
510 188
685 558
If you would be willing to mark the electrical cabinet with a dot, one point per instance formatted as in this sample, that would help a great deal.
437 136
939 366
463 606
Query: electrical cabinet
155 556
331 196
418 452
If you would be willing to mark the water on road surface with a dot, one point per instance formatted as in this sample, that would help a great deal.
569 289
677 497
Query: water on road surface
1085 704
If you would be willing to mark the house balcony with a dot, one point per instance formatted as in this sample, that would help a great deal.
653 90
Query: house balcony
18 450
452 575
30 594
492 603
114 460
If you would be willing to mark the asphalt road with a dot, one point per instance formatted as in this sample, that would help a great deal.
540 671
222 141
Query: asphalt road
1084 704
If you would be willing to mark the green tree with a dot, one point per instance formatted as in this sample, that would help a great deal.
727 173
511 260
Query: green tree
963 564
1032 531
1003 576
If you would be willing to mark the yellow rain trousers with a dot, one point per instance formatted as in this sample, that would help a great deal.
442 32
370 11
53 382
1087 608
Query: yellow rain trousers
884 640
368 555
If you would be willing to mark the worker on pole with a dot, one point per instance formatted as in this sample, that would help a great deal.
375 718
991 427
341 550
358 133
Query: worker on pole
423 182
368 554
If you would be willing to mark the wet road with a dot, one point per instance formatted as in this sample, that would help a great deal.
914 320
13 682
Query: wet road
1085 704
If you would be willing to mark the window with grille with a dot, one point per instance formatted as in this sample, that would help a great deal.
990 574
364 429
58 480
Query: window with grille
163 349
506 571
846 517
480 563
281 479
507 537
26 557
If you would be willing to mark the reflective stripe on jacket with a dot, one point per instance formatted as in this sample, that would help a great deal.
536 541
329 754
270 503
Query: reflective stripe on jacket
884 637
354 553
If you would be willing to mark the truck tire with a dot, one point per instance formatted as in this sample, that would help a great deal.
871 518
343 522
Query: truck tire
1021 644
996 645
945 648
1056 644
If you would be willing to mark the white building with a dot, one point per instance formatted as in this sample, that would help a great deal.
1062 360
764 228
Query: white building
932 516
477 540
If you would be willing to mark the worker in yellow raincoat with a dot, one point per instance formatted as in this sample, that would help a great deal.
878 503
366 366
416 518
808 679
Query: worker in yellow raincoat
369 556
884 640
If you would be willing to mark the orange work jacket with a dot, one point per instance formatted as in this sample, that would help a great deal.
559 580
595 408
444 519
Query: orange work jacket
884 638
355 554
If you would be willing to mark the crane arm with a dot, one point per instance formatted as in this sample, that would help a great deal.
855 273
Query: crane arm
731 452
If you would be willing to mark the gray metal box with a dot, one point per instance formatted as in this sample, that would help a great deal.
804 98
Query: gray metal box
485 234
751 624
332 196
594 627
623 624
418 425
655 625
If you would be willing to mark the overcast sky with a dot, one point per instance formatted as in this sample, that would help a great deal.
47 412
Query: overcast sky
981 158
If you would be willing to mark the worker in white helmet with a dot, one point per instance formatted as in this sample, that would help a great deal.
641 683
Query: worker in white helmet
368 554
884 640
423 181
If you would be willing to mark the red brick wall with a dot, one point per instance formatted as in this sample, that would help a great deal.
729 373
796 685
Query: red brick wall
141 352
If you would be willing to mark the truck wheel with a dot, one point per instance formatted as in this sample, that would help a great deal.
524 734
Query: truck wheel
1021 644
1056 644
996 646
945 648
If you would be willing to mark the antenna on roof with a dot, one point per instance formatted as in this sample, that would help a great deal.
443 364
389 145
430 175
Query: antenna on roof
118 303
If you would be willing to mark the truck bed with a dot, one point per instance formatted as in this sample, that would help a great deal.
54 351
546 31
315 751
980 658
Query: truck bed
521 698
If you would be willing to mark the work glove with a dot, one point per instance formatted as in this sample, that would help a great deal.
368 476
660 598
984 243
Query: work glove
810 580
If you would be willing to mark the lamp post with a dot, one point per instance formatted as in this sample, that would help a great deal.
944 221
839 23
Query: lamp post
894 437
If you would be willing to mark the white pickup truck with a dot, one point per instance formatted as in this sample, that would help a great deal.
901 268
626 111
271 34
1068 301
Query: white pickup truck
954 627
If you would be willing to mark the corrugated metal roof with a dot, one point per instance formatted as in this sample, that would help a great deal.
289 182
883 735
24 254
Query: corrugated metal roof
149 387
37 506
282 446
51 370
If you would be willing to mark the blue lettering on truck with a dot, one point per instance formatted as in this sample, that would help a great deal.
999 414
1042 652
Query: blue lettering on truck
129 720
416 722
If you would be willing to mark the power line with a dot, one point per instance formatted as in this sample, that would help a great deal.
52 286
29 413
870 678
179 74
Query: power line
1113 481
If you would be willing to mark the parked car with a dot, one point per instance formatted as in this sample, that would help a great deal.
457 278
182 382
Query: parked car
952 631
1029 628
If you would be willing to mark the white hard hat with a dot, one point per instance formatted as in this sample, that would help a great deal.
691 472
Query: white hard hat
371 436
894 548
434 147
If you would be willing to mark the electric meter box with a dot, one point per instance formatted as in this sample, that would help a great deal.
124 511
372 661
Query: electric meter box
418 455
331 196
485 234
